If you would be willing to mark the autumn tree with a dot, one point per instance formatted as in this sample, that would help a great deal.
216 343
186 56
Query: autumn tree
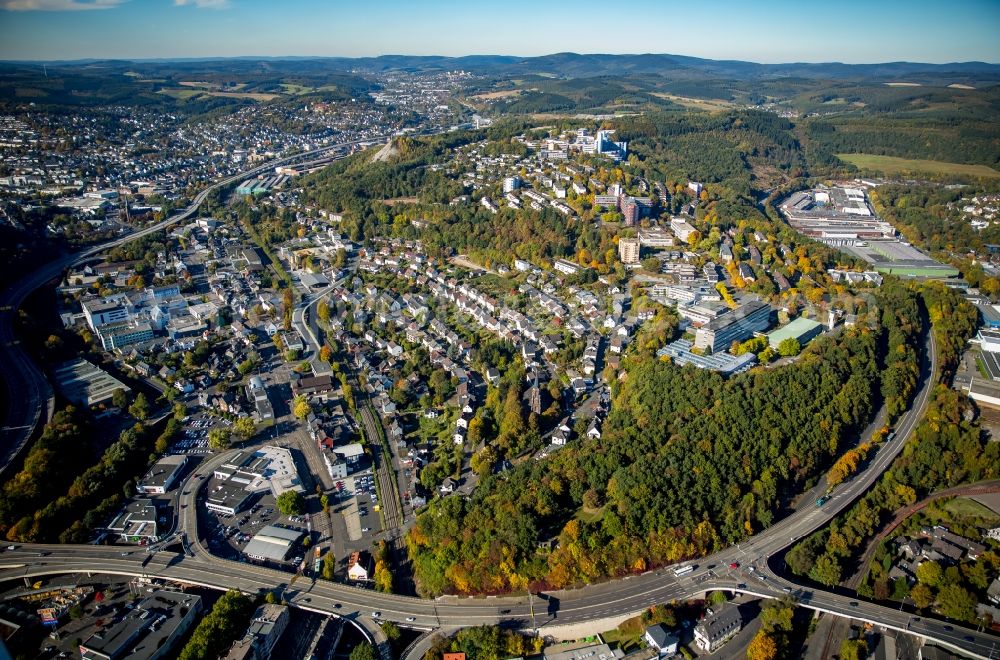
762 646
301 407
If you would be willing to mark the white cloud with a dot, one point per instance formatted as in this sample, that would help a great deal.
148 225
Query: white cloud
58 5
203 4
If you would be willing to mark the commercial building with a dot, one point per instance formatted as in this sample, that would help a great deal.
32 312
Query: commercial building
266 627
714 631
149 632
227 498
582 651
726 364
359 566
267 469
835 216
124 333
272 543
902 259
989 340
163 475
801 329
738 325
629 250
84 384
136 523
989 315
103 311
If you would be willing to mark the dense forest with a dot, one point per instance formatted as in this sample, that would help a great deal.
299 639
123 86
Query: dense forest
946 450
57 497
688 461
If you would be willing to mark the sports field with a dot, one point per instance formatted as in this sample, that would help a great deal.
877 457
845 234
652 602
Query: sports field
891 165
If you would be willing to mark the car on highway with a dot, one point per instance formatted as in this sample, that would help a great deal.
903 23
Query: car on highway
735 564
411 618
741 585
376 614
948 628
854 603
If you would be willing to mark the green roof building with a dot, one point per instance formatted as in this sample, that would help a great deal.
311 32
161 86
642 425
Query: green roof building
801 329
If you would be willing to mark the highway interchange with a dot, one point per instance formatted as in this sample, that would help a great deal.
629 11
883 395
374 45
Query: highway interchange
594 602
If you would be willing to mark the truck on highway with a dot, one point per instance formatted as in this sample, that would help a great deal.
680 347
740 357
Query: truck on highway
682 570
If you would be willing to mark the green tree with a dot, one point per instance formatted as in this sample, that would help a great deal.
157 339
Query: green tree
271 598
957 602
219 438
290 503
853 649
363 652
119 398
329 566
323 311
826 570
244 428
139 408
930 573
789 347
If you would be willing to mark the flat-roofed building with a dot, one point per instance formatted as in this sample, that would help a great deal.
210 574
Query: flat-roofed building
102 311
85 384
163 475
227 498
629 250
268 623
136 523
149 632
724 363
125 333
272 543
655 238
801 330
738 325
682 229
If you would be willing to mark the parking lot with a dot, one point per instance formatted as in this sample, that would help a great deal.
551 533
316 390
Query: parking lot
194 439
357 493
227 535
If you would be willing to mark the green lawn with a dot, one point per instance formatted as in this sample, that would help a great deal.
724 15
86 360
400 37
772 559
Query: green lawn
891 165
963 506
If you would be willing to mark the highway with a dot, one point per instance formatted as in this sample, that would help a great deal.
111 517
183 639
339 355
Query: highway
590 603
26 391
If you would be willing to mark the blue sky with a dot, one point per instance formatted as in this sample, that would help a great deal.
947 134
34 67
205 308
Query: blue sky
756 30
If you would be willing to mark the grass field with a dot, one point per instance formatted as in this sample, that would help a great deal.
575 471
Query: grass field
891 165
710 105
181 94
963 506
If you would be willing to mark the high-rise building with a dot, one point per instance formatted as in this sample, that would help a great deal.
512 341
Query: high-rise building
511 183
628 250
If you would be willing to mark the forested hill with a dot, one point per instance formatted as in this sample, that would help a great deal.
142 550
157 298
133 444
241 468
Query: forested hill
688 462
